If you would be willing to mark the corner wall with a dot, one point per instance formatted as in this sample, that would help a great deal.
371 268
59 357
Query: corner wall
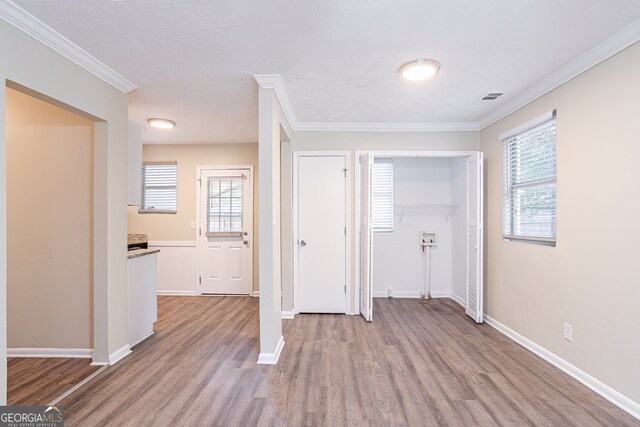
37 67
590 279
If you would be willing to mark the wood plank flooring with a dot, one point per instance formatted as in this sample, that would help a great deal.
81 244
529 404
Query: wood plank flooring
38 381
419 363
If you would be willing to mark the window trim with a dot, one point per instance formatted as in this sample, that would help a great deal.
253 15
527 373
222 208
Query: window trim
525 127
141 210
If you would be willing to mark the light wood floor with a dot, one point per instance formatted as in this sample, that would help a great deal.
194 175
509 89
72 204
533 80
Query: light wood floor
419 363
39 381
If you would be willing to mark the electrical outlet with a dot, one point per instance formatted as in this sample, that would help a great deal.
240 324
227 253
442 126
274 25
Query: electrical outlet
568 332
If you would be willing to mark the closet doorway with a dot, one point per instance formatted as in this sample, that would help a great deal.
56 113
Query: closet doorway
420 228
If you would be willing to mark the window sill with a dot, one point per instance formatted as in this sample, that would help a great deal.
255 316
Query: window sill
550 243
156 211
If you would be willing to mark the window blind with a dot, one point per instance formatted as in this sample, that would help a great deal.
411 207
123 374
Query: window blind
529 172
382 195
159 189
225 207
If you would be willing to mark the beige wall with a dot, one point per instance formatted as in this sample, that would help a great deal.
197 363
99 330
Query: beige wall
41 69
178 227
352 142
49 225
590 279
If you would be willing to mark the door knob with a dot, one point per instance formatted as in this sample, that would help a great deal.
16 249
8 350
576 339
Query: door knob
244 233
303 243
246 242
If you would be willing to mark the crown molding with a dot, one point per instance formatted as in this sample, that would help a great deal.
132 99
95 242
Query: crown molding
387 127
274 81
605 50
29 24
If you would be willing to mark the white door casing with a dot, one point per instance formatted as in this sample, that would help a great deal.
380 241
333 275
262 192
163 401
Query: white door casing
321 215
366 238
474 304
225 231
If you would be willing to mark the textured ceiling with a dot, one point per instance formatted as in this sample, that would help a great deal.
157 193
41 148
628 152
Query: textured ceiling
193 61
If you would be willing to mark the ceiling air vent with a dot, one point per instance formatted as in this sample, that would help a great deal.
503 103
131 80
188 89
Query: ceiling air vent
492 96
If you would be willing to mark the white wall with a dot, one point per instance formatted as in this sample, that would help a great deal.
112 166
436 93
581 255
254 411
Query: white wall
459 229
398 259
39 68
590 279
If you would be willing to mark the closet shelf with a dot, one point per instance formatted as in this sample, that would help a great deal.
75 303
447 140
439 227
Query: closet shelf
424 209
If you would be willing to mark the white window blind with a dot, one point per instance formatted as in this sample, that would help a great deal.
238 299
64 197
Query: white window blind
225 207
159 189
382 195
529 172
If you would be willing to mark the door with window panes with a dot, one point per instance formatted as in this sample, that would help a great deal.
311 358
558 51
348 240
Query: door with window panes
225 231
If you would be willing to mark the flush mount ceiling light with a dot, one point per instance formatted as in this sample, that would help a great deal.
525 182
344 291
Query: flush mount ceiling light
161 123
420 69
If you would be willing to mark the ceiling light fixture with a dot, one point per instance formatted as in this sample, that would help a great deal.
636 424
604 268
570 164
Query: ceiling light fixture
161 123
420 69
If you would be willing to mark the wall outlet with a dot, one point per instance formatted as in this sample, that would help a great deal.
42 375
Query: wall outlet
193 224
568 332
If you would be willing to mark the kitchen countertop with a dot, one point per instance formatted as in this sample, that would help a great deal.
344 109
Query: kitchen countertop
141 252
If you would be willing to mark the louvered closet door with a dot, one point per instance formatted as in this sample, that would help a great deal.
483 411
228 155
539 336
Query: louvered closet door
366 237
475 297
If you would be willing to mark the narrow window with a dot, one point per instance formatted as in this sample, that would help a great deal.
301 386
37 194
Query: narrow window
159 188
530 182
382 195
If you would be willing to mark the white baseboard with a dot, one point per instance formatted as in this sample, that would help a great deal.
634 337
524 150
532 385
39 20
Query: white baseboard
272 358
255 294
459 300
397 294
99 363
177 293
141 339
119 354
623 402
411 294
288 314
70 353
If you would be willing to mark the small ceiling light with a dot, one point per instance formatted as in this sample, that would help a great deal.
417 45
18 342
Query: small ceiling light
420 69
161 123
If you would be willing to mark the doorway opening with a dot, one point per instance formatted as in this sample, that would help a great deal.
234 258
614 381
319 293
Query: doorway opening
420 224
50 247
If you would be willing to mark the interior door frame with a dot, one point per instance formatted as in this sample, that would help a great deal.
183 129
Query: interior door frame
387 154
199 170
348 222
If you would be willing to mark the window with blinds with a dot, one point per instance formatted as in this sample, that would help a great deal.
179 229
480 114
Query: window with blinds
382 195
529 172
225 207
159 188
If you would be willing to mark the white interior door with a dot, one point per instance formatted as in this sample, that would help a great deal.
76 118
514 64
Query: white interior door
475 296
321 238
366 238
225 231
